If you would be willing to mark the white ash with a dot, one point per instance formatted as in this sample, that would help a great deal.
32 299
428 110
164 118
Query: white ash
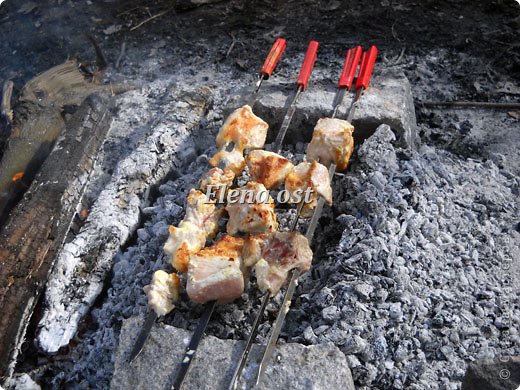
83 264
416 274
22 382
406 281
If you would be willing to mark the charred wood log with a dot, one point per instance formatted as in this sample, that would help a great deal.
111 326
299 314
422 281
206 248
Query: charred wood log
38 225
37 121
84 263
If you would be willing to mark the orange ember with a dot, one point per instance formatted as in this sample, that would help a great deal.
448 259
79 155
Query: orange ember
17 176
84 213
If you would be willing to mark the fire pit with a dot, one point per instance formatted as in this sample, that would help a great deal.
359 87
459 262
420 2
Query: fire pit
415 266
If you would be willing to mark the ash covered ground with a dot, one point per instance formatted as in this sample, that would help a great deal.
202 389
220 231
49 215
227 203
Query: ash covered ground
409 282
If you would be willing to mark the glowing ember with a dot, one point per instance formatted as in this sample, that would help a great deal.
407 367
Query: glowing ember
17 176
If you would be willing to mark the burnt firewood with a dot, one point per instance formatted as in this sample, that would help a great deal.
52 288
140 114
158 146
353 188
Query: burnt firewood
38 225
37 121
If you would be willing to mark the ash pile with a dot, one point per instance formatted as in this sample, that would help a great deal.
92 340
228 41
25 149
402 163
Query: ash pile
416 272
409 280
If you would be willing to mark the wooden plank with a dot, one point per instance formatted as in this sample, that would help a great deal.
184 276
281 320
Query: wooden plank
37 227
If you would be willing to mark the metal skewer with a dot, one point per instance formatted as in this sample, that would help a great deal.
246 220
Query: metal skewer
302 82
367 65
151 317
303 79
272 59
295 275
194 343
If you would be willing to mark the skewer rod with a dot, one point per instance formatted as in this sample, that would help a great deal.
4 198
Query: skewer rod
191 349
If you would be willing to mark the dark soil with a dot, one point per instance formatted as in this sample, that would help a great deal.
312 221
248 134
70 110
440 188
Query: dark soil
475 44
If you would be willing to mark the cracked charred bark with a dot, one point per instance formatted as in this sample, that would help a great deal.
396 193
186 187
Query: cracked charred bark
38 226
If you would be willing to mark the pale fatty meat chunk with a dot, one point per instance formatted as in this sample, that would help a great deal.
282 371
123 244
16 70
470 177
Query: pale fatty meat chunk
268 168
183 240
217 180
244 129
232 160
202 212
255 214
332 142
163 292
311 175
241 130
215 272
274 255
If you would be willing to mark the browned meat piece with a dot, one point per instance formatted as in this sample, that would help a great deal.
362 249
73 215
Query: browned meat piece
232 160
311 175
253 212
241 130
332 142
185 239
215 272
268 168
199 224
216 180
163 292
202 212
274 255
244 129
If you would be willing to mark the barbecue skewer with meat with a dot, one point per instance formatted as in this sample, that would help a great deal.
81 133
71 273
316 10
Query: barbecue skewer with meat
221 177
242 130
200 222
253 216
274 255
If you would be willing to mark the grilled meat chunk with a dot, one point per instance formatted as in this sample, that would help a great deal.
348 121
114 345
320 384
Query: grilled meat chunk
215 272
241 130
216 180
268 168
232 160
202 212
274 255
162 292
185 239
311 175
200 223
244 129
332 142
253 210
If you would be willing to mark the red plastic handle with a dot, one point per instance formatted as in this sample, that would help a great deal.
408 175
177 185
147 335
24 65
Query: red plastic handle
273 57
349 69
367 65
308 64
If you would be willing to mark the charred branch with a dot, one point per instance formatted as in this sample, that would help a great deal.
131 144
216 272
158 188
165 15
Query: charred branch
39 224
